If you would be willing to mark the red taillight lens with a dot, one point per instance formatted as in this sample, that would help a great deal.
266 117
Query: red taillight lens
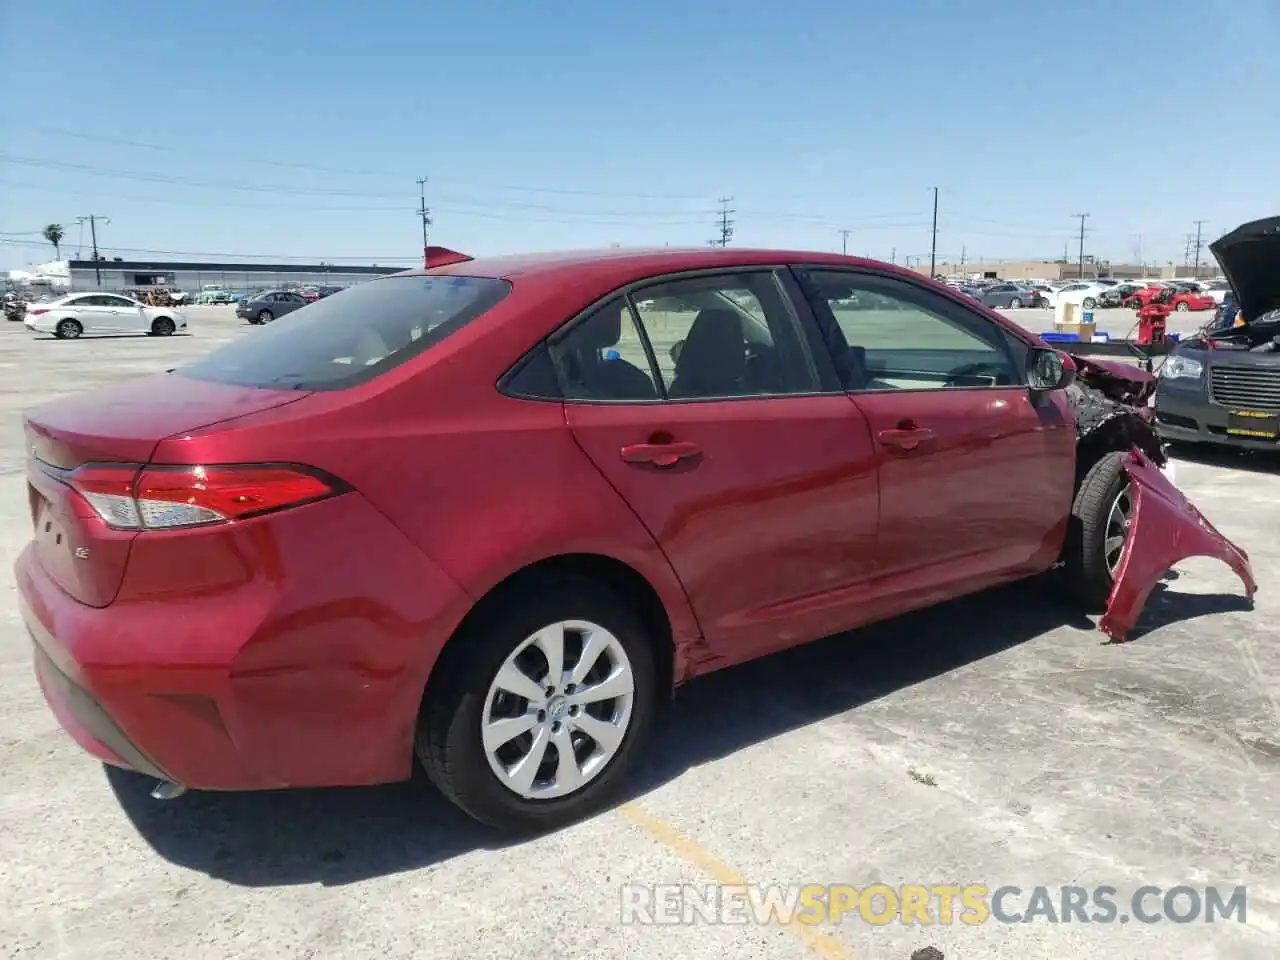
36 311
131 497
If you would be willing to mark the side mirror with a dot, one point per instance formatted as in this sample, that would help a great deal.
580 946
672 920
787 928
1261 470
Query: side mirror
1049 370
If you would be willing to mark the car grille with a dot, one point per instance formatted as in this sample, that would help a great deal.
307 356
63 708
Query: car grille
1250 388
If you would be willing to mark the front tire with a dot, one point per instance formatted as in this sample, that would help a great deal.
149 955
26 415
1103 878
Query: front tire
521 742
68 330
1098 527
162 327
1183 306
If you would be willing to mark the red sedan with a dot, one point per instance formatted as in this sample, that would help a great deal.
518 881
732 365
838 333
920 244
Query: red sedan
490 513
1172 297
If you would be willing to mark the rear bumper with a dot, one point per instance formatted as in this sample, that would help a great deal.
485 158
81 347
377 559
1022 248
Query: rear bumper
81 715
1187 416
283 657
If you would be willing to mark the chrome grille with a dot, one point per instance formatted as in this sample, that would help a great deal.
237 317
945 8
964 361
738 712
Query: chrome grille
1246 388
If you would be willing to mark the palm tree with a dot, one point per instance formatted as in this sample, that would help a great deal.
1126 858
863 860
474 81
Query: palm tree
54 234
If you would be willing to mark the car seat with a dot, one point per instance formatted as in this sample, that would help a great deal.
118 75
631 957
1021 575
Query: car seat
713 360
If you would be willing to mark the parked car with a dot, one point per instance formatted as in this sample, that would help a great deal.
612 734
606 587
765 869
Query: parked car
213 293
78 314
1219 290
1223 385
265 307
1008 295
1041 291
1086 295
323 550
1115 296
1175 297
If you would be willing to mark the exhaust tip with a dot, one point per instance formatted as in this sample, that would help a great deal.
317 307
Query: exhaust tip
167 790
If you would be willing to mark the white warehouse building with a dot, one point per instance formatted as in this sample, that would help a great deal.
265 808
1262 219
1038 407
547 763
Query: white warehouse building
74 276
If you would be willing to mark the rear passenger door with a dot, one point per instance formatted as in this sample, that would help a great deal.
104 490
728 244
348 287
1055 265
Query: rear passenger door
975 479
697 398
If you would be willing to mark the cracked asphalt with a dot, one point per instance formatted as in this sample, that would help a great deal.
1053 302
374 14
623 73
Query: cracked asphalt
997 740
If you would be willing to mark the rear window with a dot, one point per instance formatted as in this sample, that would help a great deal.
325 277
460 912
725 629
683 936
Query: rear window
352 336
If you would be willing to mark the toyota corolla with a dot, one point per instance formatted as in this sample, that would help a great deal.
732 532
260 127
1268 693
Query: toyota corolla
489 514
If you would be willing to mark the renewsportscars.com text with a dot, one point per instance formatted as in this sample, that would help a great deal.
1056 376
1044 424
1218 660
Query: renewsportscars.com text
927 904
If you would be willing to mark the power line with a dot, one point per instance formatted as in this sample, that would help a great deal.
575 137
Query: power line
92 220
725 225
1082 217
222 255
423 213
388 174
1199 224
933 245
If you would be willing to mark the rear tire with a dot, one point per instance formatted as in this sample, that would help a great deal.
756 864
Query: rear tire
68 330
1089 303
1015 303
163 327
1088 563
1183 306
449 742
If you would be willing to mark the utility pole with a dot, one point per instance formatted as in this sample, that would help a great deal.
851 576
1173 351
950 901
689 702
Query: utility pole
933 246
964 249
1186 249
425 214
725 225
92 220
893 255
1082 217
1196 274
844 242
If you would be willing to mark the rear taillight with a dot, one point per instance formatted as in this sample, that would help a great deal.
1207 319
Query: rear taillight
133 497
36 311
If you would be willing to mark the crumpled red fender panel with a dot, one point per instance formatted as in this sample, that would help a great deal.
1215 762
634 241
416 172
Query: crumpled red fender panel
1166 528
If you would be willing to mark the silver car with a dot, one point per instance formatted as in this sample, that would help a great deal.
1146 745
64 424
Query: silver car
1008 295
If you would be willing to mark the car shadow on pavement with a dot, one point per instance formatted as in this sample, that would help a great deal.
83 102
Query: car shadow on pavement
338 836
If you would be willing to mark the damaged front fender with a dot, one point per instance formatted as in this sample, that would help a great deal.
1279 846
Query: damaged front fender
1166 528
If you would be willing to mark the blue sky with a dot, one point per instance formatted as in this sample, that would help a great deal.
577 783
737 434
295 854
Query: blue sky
296 130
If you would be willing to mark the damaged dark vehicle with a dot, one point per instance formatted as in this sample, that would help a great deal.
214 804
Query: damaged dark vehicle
1222 386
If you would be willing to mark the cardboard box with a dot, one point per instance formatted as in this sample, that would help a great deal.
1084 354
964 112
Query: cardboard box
1083 330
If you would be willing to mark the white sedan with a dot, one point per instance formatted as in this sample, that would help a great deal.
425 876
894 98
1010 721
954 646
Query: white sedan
101 313
1085 295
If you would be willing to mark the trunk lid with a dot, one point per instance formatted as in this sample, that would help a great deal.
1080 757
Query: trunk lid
1250 259
122 423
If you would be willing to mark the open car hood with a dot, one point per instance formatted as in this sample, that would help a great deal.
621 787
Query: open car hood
1166 529
1250 259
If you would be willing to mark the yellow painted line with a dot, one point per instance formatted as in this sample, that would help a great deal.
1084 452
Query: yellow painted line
692 852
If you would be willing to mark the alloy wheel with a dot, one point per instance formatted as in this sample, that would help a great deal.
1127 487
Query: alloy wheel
1119 520
558 710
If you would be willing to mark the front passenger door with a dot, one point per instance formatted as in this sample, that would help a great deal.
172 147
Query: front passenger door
976 480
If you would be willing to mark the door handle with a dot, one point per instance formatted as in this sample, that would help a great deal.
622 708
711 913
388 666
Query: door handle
660 454
905 438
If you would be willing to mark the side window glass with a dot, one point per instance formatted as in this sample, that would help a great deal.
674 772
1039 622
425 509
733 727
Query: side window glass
723 336
602 357
904 338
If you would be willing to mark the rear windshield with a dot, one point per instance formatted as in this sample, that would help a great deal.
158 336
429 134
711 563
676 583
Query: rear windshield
352 336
